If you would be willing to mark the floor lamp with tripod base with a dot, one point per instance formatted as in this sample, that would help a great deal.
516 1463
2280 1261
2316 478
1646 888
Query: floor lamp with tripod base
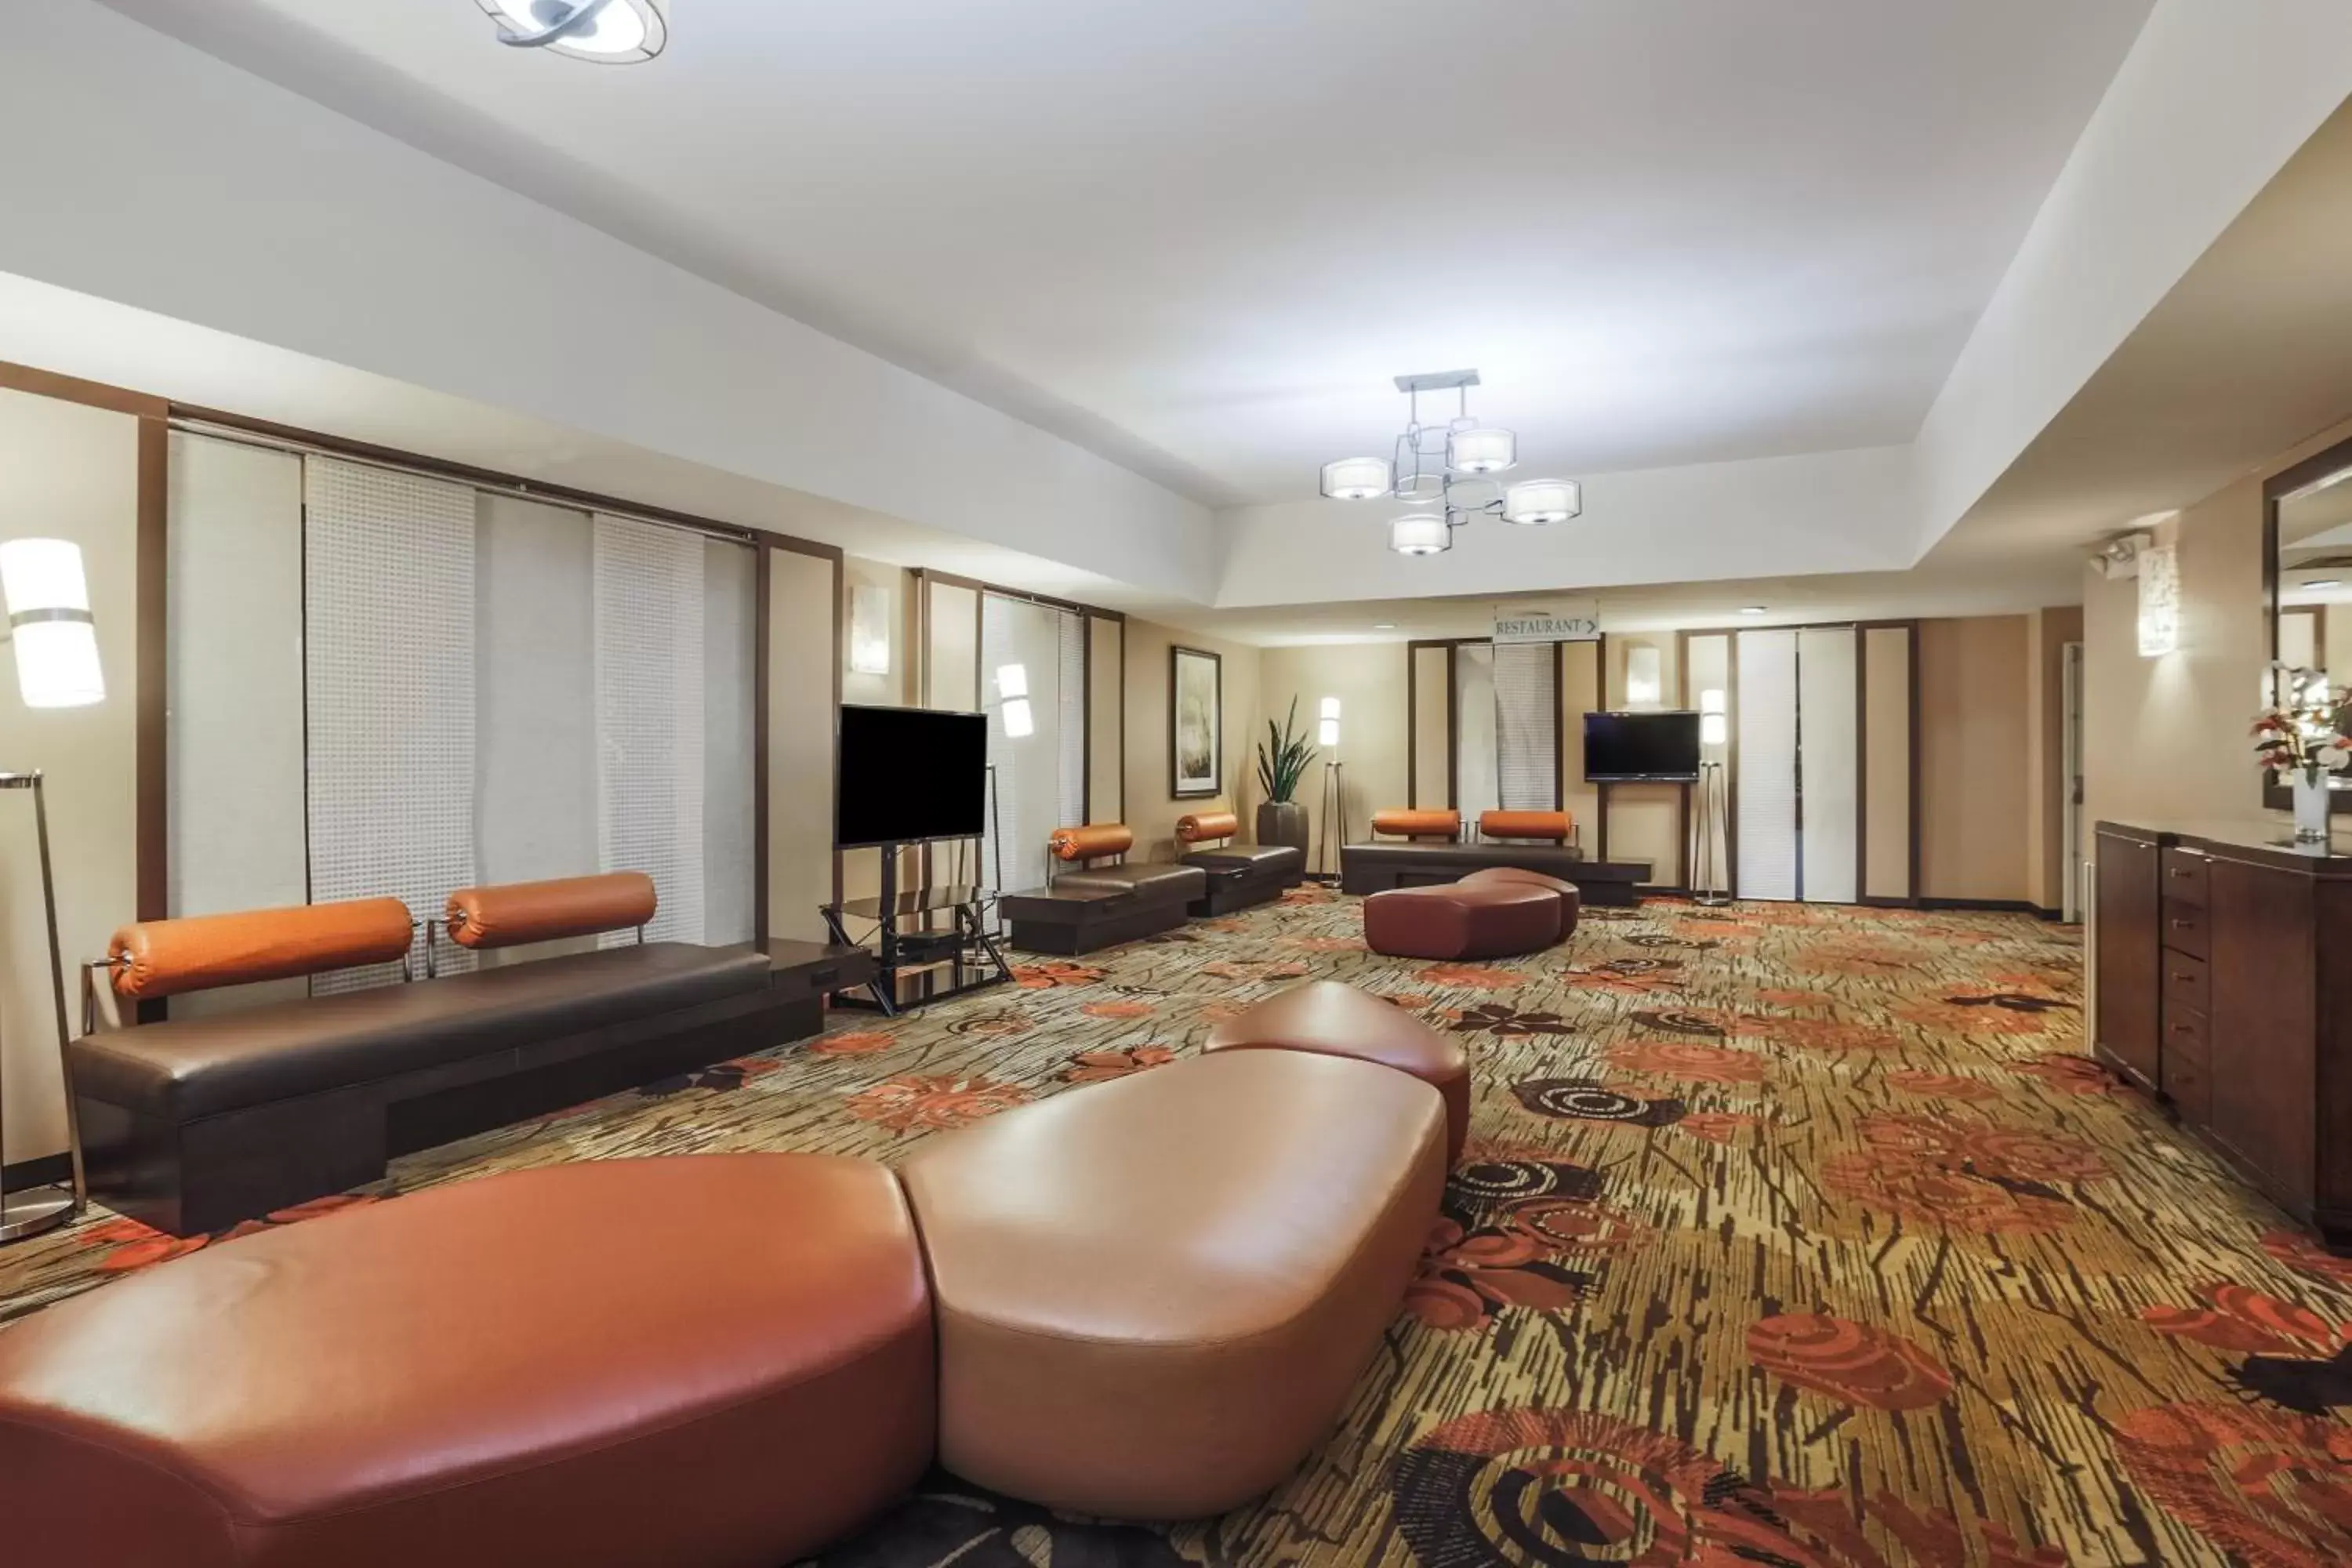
1710 884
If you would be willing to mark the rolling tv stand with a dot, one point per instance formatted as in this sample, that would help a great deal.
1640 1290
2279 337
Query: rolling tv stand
915 967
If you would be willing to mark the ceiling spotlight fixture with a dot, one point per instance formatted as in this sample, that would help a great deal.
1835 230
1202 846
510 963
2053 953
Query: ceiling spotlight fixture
1449 468
606 32
1383 626
1751 609
2324 582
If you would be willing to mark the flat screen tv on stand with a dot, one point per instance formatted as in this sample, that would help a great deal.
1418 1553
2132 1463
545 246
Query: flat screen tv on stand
906 776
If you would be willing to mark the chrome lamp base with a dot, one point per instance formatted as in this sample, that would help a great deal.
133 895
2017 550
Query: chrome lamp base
35 1213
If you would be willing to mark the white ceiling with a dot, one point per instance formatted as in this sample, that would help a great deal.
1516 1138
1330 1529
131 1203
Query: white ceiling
1200 238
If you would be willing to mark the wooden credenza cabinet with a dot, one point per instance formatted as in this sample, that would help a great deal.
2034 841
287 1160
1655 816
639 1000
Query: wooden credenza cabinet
2222 972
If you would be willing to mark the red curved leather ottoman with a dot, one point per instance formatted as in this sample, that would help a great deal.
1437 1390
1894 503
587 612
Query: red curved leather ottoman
1328 1018
711 1361
1156 1295
1571 898
1463 920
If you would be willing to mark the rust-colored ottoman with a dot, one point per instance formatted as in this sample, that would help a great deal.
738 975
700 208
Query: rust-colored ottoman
1463 920
1328 1018
1571 897
715 1361
1156 1295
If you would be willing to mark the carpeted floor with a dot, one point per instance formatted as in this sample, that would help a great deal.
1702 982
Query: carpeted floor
1788 1236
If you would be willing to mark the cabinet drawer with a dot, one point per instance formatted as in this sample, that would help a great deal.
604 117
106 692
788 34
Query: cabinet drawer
2186 1032
2185 929
2187 986
2186 873
2188 1069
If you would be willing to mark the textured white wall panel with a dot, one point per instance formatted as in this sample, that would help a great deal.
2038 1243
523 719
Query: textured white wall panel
649 716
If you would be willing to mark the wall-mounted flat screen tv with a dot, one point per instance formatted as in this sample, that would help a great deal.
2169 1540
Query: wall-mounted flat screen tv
905 775
1635 748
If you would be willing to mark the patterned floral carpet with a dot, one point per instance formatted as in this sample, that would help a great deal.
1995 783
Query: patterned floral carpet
1796 1237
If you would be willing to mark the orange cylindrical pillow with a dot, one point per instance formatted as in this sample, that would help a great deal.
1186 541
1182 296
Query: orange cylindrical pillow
1096 839
1401 822
513 912
1204 824
1552 825
197 952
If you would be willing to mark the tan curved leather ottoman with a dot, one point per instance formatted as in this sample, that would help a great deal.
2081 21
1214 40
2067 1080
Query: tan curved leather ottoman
1463 920
713 1361
1155 1295
1571 897
1335 1020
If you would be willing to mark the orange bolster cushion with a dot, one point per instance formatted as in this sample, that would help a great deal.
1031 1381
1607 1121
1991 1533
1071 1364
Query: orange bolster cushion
1401 821
1552 824
197 952
1202 825
516 912
1095 838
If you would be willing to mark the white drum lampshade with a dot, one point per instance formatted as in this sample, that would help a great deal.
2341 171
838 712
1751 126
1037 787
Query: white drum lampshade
1482 451
1714 725
623 33
55 640
1536 501
1357 478
1420 533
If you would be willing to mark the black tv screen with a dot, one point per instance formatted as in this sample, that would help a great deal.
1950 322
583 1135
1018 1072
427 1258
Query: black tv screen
1623 747
902 775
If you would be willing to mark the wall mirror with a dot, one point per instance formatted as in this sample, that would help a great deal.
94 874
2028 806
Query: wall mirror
2308 577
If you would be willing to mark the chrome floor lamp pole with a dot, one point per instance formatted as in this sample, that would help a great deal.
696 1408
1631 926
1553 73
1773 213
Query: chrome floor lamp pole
1333 806
1708 887
45 1208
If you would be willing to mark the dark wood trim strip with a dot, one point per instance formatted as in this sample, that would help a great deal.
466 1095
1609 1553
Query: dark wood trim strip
1048 600
74 389
150 689
1558 728
762 694
840 657
1411 723
1600 705
1453 726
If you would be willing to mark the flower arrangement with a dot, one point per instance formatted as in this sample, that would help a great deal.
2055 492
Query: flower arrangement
2306 733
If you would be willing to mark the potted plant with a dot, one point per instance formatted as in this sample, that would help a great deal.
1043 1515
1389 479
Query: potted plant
2303 741
1282 759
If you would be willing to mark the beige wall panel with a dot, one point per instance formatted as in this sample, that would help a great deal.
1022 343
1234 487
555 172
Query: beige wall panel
952 665
67 471
802 651
1106 735
861 869
1886 763
1708 666
1364 676
1973 789
1150 809
1580 692
1645 821
1432 719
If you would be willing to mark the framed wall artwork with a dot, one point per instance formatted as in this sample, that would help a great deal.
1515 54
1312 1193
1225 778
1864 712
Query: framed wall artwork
1195 723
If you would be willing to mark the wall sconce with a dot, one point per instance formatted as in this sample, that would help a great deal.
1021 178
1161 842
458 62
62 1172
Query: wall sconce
49 622
1012 688
869 629
1328 729
1714 722
2159 601
1644 683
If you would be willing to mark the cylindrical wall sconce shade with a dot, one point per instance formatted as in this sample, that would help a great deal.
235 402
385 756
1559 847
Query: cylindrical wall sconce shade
1482 451
1357 479
1714 725
1537 501
1330 708
1327 734
49 622
1420 533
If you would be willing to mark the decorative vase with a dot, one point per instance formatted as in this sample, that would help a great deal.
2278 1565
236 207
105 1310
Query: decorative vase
1282 822
2312 803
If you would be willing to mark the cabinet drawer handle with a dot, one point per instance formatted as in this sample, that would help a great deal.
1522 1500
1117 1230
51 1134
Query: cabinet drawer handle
2184 925
2183 1029
2184 979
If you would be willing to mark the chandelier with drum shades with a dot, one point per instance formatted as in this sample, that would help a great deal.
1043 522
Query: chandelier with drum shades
1448 474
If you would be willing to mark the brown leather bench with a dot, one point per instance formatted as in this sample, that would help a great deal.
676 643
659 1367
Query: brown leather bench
1241 876
1499 913
715 1360
1095 906
1155 1295
1328 1018
1421 848
194 1124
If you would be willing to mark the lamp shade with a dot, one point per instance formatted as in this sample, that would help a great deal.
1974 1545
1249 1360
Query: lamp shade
1011 680
1330 708
1533 501
49 621
1326 734
1357 479
1482 451
623 32
1420 533
1713 729
1711 701
1019 721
